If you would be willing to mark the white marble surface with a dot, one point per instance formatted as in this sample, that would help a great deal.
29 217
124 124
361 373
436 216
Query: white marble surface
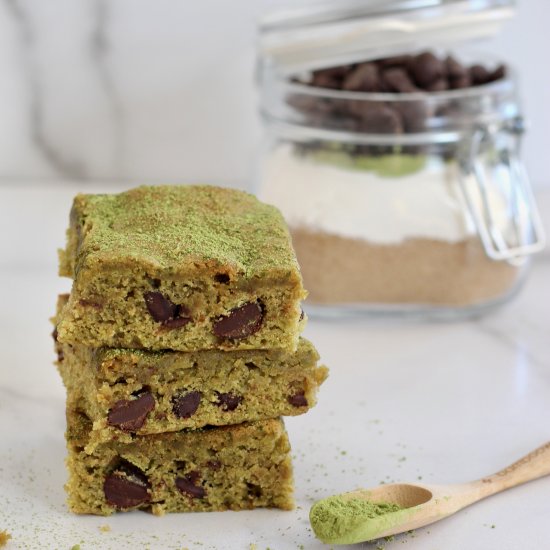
445 402
125 89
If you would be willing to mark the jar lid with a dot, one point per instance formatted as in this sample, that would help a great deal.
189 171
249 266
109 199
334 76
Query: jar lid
323 35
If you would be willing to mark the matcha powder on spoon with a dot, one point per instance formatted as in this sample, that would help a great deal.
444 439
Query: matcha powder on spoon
334 517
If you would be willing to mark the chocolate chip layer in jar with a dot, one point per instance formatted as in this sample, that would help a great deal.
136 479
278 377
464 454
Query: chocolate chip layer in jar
398 175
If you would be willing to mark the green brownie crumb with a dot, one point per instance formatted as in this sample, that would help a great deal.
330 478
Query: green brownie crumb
167 223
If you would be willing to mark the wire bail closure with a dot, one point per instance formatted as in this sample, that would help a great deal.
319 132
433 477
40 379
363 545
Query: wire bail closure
523 235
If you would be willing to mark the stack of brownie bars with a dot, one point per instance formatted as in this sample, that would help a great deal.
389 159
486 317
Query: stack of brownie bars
179 347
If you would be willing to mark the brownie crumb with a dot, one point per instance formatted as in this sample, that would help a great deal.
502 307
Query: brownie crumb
4 538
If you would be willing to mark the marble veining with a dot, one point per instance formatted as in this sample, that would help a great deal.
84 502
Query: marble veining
55 157
164 91
100 47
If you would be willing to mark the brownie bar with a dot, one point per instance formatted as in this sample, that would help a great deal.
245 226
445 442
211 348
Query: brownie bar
182 268
227 468
127 391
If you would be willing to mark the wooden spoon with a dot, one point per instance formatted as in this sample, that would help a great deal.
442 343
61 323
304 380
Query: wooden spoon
420 504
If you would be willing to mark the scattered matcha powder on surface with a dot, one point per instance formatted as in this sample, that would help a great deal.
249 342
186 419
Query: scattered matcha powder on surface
4 538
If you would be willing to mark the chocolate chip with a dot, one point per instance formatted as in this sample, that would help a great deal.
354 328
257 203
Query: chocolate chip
187 485
127 486
58 349
165 311
455 69
364 78
214 465
397 80
414 115
479 75
129 415
379 119
395 61
228 401
326 79
302 315
498 74
438 86
462 82
241 322
298 399
176 322
185 405
253 490
222 278
160 307
426 68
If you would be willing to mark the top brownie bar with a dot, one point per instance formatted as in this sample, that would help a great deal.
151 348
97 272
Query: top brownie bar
180 267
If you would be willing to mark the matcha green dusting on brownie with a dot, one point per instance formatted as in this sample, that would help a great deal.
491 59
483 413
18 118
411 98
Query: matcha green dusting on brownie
175 227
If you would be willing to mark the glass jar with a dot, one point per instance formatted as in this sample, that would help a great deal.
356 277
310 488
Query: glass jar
409 203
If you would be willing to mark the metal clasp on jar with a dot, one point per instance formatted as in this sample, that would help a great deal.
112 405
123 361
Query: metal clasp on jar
494 149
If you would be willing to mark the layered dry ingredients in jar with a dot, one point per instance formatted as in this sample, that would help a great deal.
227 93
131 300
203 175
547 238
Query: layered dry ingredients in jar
386 222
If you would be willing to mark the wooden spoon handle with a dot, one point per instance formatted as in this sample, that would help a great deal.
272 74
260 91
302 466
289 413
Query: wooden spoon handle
532 466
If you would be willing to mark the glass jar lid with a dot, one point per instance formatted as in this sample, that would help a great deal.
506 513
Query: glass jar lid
325 34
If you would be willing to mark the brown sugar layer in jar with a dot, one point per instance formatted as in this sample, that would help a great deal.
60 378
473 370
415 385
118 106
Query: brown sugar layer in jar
417 271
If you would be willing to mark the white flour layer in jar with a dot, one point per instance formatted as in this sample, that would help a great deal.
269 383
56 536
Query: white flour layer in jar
357 203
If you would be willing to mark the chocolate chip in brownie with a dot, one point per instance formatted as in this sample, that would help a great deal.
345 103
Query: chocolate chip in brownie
222 278
163 310
129 415
298 399
426 68
155 283
177 322
186 404
188 485
60 354
253 490
228 401
126 486
240 322
214 465
159 306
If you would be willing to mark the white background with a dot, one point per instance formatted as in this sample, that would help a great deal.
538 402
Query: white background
139 91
